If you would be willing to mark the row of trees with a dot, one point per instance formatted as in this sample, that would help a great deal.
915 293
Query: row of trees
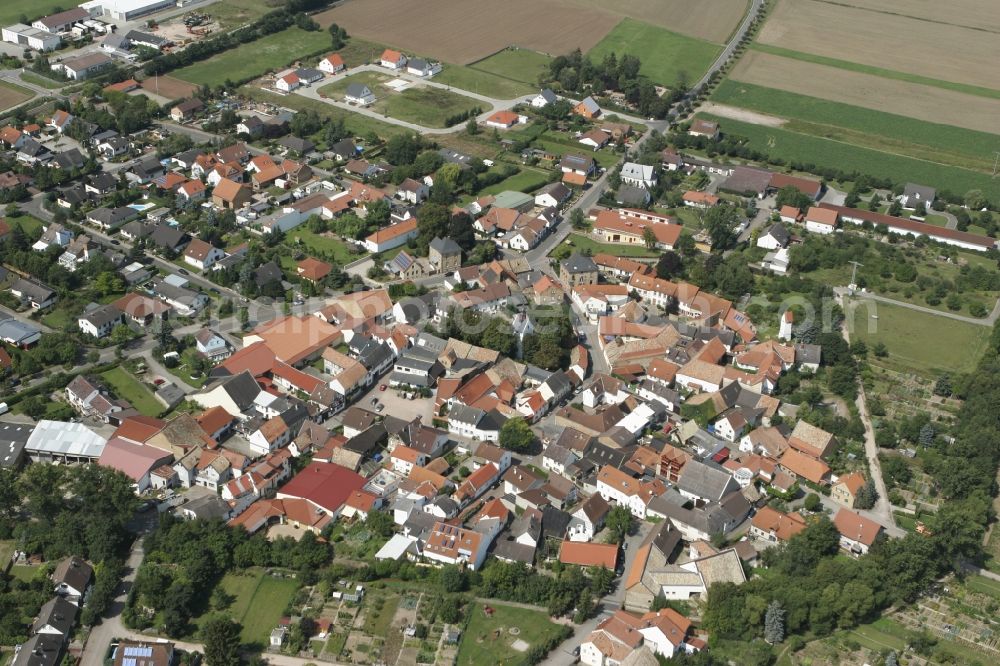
577 72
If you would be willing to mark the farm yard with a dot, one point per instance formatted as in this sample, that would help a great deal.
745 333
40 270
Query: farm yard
666 56
837 85
255 58
934 42
12 95
473 30
424 105
804 148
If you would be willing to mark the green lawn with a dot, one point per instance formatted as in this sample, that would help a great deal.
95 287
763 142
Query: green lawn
7 549
918 341
355 123
562 144
30 224
580 243
259 601
505 75
42 81
877 71
423 105
666 56
267 606
804 150
528 180
255 58
953 146
11 11
129 388
480 644
377 622
983 585
324 247
23 572
58 318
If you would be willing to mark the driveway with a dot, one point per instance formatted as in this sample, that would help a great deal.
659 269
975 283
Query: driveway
563 655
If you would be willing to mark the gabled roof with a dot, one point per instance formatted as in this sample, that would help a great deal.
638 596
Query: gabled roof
856 527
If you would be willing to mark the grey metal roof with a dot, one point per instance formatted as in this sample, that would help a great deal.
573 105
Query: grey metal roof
70 439
705 481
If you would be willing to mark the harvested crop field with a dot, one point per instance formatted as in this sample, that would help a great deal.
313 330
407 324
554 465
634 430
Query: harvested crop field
12 95
976 14
474 29
935 49
928 103
169 87
712 20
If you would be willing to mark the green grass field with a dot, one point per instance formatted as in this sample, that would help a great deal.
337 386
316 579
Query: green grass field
327 247
806 149
580 243
877 71
505 75
983 585
129 388
266 607
259 601
355 123
255 58
377 622
918 341
42 81
887 132
11 11
7 548
665 55
480 647
528 180
233 13
424 105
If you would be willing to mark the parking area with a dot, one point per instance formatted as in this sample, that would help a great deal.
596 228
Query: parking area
395 404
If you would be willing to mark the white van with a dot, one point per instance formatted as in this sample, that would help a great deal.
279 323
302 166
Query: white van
4 408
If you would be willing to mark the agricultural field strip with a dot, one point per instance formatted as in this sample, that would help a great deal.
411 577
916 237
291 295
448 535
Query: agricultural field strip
971 14
906 99
892 42
865 127
877 71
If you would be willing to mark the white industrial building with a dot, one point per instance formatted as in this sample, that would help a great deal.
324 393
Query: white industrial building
25 35
64 442
126 10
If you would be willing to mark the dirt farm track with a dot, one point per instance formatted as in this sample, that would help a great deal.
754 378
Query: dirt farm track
953 40
463 32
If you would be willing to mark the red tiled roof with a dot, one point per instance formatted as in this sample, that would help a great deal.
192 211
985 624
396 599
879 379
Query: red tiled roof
589 554
327 485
